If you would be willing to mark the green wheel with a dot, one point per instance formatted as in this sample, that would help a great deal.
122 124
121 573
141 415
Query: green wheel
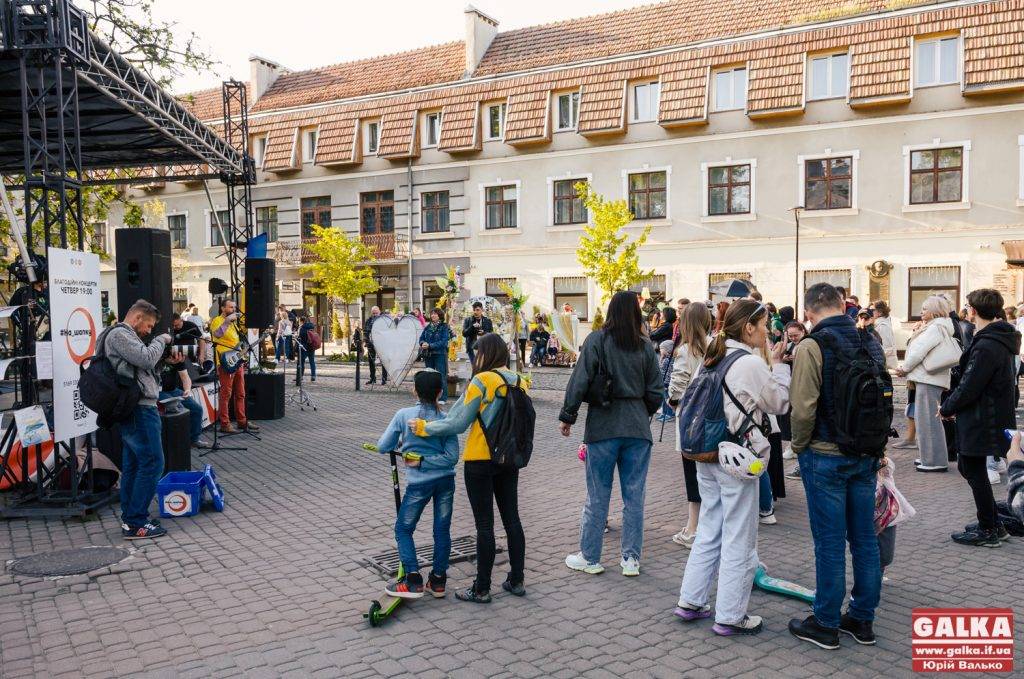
374 617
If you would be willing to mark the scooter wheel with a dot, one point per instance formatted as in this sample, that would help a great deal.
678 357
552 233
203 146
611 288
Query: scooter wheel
374 616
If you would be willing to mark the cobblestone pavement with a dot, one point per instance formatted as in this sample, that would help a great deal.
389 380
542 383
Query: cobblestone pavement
276 585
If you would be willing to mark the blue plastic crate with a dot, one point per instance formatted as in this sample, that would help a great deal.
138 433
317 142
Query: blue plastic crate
180 493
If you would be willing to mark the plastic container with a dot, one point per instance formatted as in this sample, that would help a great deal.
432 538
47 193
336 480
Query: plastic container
180 493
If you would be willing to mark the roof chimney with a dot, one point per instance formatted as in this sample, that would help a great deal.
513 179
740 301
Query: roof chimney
480 31
262 74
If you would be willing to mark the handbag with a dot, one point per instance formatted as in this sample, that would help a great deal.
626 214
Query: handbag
943 355
600 390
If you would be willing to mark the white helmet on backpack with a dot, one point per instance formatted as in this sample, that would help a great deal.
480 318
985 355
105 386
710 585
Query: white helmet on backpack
739 461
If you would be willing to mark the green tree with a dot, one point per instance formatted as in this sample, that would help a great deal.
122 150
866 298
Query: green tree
605 252
339 269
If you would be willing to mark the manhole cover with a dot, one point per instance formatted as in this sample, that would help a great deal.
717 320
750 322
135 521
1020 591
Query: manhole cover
463 549
67 561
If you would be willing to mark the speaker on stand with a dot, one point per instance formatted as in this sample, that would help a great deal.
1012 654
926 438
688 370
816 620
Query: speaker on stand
144 272
259 293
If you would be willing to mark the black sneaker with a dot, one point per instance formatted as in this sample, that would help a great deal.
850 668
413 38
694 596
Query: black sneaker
152 529
408 587
808 629
1001 531
517 589
436 585
858 629
977 538
371 382
471 594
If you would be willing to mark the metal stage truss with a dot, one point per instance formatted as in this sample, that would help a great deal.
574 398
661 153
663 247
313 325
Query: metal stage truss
75 113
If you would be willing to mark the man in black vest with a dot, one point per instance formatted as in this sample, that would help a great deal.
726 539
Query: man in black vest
840 489
371 351
474 327
984 404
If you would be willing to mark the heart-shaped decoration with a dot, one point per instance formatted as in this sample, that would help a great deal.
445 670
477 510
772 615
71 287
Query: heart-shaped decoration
396 343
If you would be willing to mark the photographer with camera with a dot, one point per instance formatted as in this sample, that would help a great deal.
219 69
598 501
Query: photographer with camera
230 363
133 359
475 327
187 333
177 383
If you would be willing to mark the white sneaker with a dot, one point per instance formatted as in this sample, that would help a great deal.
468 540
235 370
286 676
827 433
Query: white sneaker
630 567
578 563
993 477
788 453
768 519
685 539
1000 466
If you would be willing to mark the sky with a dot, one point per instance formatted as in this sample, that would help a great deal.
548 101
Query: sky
302 34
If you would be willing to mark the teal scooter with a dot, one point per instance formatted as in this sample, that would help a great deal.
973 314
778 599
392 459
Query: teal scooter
779 586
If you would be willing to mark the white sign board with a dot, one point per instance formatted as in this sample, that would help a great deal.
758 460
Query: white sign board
76 323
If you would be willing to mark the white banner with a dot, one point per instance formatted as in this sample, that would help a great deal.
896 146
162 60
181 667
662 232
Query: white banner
76 323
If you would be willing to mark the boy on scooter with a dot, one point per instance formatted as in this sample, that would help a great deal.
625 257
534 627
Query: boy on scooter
429 475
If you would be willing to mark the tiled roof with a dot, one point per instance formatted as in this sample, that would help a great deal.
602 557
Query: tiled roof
879 47
425 66
204 104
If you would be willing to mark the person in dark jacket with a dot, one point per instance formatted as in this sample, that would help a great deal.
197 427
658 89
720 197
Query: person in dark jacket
617 435
539 337
664 331
371 351
434 344
305 353
983 405
475 327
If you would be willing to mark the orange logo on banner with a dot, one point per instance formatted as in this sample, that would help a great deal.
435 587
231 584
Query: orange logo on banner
80 335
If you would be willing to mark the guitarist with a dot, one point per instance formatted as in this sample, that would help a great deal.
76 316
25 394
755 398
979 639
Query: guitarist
230 362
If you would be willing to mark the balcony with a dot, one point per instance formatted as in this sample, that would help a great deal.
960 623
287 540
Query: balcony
385 247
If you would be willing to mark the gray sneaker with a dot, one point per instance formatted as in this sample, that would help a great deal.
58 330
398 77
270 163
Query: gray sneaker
201 443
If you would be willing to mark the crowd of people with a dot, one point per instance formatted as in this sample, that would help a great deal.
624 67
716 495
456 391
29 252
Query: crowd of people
817 389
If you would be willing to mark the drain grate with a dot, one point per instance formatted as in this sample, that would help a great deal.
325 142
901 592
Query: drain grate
463 549
67 561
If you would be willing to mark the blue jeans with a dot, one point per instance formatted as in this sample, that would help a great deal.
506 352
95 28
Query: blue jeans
439 362
537 354
632 456
142 463
417 496
195 412
765 501
284 347
841 507
300 368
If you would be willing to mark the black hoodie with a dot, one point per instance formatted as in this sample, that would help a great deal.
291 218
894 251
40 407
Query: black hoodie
984 402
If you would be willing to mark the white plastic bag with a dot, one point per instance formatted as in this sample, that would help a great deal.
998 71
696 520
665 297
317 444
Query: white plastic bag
906 510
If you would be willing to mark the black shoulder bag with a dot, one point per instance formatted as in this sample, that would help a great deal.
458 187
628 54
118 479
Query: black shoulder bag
600 392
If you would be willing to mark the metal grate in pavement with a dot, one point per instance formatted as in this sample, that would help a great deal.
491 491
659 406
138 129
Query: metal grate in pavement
67 562
463 549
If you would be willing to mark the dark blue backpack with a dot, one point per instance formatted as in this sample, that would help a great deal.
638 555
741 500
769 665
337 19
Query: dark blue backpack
702 423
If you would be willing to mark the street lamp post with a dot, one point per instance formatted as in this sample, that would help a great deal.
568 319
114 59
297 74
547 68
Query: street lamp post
796 262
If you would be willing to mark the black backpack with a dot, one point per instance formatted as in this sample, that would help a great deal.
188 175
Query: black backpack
112 397
510 436
862 396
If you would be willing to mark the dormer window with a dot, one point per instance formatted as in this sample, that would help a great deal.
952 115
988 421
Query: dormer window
431 129
495 122
731 89
372 137
568 111
309 139
646 97
937 61
259 151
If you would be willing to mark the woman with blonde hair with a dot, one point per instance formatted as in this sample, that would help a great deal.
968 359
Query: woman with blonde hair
694 332
931 353
726 543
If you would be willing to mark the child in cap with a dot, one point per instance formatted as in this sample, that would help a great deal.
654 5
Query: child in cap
429 477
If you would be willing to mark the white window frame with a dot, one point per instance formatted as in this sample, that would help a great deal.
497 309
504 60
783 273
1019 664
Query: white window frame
436 235
809 78
503 106
209 226
575 113
483 207
713 85
965 196
1020 172
427 144
667 169
705 209
655 105
260 157
581 176
103 226
167 222
916 42
801 172
310 139
367 137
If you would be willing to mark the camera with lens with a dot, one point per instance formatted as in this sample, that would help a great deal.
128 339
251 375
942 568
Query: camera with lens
189 351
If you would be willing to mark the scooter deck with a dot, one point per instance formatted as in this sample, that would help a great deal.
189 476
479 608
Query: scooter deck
784 587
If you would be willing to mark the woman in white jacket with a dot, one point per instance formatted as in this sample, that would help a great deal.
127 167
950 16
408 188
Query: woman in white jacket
727 540
931 353
694 328
883 326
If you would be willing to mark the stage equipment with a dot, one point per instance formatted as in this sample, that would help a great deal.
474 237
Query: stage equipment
264 395
144 272
259 293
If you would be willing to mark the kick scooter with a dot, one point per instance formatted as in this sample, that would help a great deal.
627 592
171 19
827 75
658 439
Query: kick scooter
779 586
380 612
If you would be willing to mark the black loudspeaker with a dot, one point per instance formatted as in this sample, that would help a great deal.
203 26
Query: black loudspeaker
177 444
264 396
259 293
144 271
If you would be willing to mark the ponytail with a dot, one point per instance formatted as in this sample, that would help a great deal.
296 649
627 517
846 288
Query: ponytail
716 351
733 322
